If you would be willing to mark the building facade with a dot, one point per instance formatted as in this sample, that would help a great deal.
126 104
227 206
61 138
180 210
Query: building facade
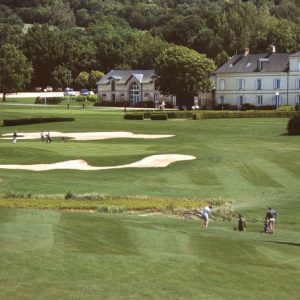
134 86
259 79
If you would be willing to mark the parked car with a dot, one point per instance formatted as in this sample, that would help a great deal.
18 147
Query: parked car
69 92
49 88
84 92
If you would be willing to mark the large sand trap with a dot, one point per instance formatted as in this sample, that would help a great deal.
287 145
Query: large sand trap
154 161
86 136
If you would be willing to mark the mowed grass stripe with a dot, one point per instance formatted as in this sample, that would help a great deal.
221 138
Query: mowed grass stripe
142 257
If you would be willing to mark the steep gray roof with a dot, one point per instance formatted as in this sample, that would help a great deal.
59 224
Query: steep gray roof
270 62
122 76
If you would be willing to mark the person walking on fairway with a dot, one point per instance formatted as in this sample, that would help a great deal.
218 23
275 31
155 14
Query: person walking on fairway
15 137
204 214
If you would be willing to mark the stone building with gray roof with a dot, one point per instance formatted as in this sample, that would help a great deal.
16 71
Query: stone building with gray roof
259 79
133 86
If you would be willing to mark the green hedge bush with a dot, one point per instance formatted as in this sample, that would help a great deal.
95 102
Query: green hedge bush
294 124
171 114
27 121
49 100
134 116
242 114
159 116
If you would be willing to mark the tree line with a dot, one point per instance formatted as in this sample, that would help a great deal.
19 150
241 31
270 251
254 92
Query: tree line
70 42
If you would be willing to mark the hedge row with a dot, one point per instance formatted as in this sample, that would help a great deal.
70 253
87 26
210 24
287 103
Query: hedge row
49 100
159 116
27 121
135 116
171 114
242 114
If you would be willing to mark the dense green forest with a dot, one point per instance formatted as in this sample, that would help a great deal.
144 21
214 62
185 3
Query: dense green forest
65 39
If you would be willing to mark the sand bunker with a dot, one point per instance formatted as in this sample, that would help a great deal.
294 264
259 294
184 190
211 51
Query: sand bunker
154 161
86 136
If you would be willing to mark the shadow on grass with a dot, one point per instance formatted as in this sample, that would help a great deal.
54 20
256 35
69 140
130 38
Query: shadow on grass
285 243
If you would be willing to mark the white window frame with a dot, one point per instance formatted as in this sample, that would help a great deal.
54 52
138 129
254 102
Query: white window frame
277 84
241 84
222 99
297 83
259 100
259 84
297 100
298 65
222 84
135 92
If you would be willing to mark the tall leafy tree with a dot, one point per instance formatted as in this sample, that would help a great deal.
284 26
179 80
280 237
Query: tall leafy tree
94 76
45 48
61 76
183 72
15 70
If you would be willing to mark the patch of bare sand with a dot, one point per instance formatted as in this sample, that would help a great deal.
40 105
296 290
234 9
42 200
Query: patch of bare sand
154 161
85 136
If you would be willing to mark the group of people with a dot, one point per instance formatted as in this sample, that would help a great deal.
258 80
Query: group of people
269 225
46 137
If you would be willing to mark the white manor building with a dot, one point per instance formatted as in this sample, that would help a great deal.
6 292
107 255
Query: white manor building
259 79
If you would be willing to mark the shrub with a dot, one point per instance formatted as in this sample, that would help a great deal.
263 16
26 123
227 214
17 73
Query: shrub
286 108
159 116
266 107
26 121
113 209
247 106
112 104
146 104
81 98
92 98
135 116
294 125
225 106
241 114
49 100
171 114
13 194
70 195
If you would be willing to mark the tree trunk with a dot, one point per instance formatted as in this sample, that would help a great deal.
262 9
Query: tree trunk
4 96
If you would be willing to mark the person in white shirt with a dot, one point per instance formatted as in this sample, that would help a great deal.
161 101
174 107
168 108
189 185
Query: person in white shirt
204 214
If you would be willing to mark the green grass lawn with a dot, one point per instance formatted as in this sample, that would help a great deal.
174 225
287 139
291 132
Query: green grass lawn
64 255
249 163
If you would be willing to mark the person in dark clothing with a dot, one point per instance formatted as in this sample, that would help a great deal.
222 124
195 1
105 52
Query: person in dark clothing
241 223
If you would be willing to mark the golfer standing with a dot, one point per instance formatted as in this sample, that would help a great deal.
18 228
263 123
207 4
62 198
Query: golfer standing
205 214
270 218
